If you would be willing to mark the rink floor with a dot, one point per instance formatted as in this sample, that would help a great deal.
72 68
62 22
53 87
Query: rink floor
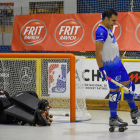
95 129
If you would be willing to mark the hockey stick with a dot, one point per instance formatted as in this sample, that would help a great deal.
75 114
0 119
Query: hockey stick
125 88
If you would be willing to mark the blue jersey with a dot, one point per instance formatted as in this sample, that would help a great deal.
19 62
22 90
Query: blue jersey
110 52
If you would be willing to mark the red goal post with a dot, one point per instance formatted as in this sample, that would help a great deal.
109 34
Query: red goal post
53 55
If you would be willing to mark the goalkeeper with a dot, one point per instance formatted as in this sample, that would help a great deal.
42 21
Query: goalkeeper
18 110
109 62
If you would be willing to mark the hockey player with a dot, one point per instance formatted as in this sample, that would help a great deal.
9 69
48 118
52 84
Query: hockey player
109 62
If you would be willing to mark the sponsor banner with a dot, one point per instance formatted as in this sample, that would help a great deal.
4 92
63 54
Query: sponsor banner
71 32
133 70
95 87
53 32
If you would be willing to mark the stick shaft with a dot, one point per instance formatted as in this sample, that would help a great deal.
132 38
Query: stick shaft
118 84
125 88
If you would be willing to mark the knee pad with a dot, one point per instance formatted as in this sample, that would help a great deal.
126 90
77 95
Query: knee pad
115 96
130 86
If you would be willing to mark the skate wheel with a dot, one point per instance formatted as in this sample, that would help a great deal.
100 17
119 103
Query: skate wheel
51 120
43 115
121 129
48 123
45 112
50 106
47 117
51 116
111 129
135 121
46 108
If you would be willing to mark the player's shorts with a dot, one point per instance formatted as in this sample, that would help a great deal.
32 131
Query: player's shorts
119 75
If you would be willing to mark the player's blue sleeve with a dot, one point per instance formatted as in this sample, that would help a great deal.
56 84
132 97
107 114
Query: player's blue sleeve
101 35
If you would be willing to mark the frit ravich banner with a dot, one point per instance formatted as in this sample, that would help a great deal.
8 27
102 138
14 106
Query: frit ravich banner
71 32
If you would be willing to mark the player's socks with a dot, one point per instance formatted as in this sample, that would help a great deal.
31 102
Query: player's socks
114 98
113 109
130 100
129 97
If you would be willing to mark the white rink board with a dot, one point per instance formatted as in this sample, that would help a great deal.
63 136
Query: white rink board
94 89
131 67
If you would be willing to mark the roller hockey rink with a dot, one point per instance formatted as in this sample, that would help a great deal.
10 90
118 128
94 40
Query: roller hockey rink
97 129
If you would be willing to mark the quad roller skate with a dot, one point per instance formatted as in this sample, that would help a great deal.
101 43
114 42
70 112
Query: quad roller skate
45 117
135 113
117 122
48 116
44 105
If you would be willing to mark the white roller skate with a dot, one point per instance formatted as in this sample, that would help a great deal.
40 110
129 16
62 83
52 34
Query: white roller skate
117 122
135 113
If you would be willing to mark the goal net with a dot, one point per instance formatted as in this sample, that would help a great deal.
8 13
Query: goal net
55 77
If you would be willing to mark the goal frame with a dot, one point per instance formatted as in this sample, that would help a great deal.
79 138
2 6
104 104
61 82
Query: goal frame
54 55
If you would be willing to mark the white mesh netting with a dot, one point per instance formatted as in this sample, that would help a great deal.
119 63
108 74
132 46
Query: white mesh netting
50 78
